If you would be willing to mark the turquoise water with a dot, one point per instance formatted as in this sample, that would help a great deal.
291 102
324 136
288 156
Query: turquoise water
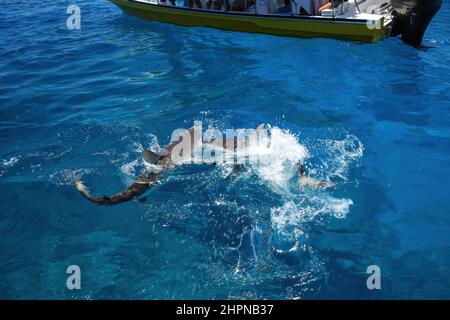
83 103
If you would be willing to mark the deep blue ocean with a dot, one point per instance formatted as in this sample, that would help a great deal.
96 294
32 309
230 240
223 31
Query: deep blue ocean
374 119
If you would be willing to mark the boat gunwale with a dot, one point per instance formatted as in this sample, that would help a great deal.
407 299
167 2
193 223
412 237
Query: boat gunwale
258 16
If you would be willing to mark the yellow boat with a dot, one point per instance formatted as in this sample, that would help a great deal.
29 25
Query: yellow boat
355 20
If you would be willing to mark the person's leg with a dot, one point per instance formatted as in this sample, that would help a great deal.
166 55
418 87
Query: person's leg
217 4
328 5
198 3
241 5
227 5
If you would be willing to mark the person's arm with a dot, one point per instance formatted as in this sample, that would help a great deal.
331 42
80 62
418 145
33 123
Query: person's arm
328 5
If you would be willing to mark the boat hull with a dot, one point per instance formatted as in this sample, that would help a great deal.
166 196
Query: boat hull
281 25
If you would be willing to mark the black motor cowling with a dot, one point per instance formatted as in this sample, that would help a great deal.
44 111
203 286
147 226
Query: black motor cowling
411 19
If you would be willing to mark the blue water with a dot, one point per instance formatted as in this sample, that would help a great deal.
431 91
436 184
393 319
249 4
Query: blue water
83 103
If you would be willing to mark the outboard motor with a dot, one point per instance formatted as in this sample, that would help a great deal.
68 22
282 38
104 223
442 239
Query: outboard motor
411 19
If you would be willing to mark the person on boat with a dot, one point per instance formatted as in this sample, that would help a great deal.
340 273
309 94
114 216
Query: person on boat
329 5
242 5
198 3
163 2
218 4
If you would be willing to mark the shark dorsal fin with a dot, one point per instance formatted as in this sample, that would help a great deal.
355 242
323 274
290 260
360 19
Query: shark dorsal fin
150 157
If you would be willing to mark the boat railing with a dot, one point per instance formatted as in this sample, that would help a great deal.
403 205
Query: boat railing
225 9
255 10
357 6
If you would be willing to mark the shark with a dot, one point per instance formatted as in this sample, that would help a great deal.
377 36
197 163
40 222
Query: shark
168 159
179 152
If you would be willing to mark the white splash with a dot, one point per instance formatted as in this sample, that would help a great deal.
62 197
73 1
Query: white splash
129 169
132 168
277 160
303 204
338 155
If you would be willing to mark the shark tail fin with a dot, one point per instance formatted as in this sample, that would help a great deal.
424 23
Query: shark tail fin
81 187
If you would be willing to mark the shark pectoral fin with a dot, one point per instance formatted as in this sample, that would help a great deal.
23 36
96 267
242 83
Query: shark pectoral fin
308 182
235 169
150 157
